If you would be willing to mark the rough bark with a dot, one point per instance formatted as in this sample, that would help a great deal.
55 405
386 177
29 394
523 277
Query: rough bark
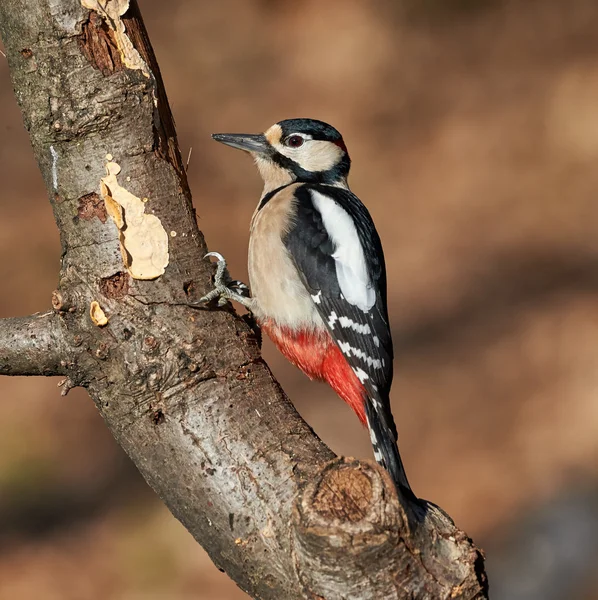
32 346
184 391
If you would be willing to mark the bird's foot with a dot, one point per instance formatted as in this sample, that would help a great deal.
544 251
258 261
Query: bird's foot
225 288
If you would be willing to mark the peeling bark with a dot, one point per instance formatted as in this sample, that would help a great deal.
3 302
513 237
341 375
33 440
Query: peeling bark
185 391
98 45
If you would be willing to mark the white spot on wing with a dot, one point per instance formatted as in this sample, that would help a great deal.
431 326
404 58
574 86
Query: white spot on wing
376 341
377 454
371 362
348 350
347 323
349 258
373 438
345 348
318 297
332 320
361 374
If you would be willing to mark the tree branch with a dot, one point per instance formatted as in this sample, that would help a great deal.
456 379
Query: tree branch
185 391
32 346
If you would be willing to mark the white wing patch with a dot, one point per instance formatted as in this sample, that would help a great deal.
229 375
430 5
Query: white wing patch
349 258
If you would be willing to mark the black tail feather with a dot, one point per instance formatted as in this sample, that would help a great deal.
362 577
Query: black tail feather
383 435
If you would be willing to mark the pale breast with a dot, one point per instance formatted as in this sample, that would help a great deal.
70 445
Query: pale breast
276 288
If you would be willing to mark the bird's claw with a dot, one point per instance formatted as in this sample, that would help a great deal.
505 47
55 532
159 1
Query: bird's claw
225 288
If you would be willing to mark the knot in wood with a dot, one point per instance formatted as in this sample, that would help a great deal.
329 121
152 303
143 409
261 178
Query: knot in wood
63 301
347 521
344 494
348 497
150 344
57 300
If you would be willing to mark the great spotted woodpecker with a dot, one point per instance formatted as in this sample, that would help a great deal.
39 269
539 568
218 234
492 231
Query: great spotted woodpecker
317 274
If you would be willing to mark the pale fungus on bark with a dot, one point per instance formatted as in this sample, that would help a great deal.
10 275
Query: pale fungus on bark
143 239
97 315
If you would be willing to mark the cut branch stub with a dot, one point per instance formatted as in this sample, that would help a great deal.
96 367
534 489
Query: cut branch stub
349 505
389 550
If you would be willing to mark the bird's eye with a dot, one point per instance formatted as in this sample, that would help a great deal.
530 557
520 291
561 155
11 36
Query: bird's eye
295 141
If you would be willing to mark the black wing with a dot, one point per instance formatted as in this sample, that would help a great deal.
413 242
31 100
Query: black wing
363 335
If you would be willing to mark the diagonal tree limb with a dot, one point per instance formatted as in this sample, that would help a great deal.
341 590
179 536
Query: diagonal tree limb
33 345
185 391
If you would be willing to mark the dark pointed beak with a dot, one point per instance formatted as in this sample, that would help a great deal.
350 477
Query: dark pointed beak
244 141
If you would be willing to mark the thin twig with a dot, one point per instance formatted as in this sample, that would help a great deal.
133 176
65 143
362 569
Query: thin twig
67 385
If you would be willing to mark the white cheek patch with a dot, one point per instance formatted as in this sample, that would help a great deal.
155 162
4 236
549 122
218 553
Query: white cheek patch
351 269
314 156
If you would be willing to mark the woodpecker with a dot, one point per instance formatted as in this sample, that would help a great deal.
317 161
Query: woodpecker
317 274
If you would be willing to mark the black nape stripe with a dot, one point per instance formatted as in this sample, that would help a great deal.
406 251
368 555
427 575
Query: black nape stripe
329 177
271 195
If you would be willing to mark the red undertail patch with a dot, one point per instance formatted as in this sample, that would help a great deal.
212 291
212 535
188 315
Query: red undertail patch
317 355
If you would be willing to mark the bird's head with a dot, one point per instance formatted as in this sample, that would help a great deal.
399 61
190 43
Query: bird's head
301 150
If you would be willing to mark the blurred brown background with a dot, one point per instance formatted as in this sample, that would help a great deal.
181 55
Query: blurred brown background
473 127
